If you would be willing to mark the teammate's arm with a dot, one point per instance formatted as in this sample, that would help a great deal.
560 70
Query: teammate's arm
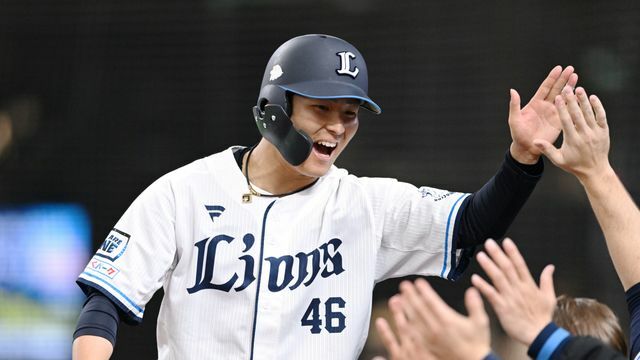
584 153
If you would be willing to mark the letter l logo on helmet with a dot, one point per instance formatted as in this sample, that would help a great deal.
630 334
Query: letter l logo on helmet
345 64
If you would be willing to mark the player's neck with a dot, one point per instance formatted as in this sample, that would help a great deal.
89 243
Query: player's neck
269 171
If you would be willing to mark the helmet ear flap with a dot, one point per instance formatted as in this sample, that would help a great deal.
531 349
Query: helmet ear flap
258 111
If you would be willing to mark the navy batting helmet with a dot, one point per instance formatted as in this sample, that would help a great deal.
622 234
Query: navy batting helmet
315 66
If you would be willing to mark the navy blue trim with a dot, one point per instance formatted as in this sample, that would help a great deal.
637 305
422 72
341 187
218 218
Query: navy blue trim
255 306
446 235
374 107
547 342
466 253
131 316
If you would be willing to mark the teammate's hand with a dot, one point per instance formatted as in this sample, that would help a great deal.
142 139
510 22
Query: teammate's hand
407 345
539 118
446 333
522 308
585 145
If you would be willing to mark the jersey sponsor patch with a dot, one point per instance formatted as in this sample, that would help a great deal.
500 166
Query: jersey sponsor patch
114 245
103 268
434 194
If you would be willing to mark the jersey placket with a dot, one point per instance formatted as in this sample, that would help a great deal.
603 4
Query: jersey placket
266 328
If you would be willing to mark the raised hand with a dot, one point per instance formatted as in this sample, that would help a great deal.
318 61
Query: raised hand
585 146
522 307
407 345
539 118
440 329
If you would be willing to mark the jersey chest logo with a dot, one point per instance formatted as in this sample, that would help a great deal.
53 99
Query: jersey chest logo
288 271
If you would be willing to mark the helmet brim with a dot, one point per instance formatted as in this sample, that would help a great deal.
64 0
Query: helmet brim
332 90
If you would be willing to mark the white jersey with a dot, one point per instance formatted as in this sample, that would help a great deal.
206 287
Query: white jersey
276 278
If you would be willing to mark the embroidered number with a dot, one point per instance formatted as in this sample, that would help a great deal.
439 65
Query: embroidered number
311 317
334 319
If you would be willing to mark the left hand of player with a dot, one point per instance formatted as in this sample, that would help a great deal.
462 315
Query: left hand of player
539 118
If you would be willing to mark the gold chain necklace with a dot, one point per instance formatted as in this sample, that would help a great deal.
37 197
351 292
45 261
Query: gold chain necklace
246 198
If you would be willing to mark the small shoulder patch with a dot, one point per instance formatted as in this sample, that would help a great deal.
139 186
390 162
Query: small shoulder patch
114 245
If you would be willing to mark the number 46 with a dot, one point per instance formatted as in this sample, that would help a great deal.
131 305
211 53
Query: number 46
334 320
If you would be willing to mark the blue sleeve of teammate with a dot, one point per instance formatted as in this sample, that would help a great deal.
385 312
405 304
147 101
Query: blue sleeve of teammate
99 317
488 212
555 343
633 303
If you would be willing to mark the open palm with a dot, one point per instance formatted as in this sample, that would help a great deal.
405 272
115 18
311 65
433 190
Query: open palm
539 118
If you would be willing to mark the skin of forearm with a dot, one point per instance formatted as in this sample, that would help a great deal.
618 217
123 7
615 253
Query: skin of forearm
619 219
88 347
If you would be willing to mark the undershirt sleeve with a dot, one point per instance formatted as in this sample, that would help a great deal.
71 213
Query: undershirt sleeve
99 317
489 212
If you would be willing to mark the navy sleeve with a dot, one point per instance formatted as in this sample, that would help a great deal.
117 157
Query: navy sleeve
99 317
491 356
488 212
586 348
550 339
555 343
633 303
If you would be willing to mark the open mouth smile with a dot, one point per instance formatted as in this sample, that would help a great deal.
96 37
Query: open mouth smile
325 147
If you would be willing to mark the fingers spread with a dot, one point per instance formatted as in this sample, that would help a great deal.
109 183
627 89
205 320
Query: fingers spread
516 258
415 306
549 151
547 84
585 106
514 104
487 290
496 274
433 301
388 337
601 116
501 259
546 281
475 306
574 109
561 82
568 129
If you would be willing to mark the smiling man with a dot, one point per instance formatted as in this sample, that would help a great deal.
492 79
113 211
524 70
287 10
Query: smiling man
272 252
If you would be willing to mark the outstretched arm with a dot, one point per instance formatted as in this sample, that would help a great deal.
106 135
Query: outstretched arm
489 211
584 153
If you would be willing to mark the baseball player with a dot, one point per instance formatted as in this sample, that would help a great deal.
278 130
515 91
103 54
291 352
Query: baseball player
272 252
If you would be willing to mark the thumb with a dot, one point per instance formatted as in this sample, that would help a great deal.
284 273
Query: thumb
475 306
546 281
514 103
548 150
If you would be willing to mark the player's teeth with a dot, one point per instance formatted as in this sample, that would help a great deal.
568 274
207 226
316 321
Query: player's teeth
327 144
